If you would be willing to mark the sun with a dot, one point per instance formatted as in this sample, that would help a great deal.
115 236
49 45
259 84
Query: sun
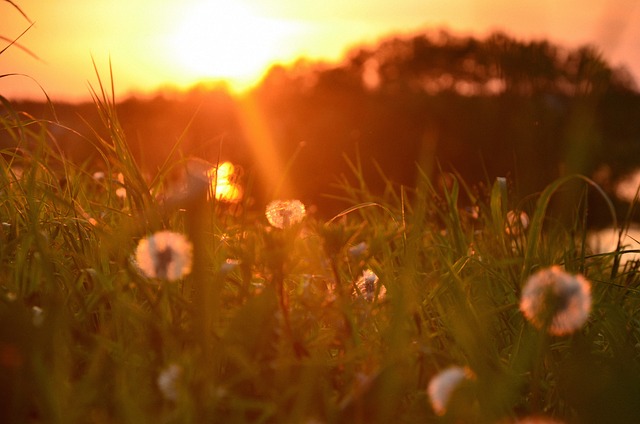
227 40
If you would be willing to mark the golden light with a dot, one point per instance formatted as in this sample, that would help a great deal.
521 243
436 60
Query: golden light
223 187
228 40
260 138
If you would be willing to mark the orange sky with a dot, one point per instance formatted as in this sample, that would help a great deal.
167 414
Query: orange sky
155 43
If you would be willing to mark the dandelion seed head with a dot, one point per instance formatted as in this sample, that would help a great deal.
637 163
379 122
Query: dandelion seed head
367 286
473 212
443 384
121 191
165 255
37 316
168 381
516 223
627 188
358 250
285 213
551 297
229 265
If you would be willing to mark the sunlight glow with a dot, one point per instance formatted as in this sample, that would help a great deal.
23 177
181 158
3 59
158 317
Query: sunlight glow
228 40
223 187
260 138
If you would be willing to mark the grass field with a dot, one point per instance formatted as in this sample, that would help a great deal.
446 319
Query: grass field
128 298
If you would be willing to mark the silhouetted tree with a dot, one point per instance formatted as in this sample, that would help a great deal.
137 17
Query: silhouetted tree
486 107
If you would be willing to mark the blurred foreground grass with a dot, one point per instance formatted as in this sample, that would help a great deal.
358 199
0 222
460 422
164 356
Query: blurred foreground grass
285 317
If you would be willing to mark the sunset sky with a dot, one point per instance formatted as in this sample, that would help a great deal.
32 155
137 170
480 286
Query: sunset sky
177 42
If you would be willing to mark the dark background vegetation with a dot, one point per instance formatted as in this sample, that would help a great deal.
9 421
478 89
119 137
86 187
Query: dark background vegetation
528 110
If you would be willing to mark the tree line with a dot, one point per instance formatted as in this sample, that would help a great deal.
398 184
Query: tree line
498 106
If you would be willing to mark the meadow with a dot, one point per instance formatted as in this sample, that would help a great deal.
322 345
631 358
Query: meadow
133 298
176 297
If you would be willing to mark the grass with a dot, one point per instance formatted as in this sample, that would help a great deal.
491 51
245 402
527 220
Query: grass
277 335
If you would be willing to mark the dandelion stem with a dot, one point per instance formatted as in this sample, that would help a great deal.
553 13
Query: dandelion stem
538 372
205 298
298 348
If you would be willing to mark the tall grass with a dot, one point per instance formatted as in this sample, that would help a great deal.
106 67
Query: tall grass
282 332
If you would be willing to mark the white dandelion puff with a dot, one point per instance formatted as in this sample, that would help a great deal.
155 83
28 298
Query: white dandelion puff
558 301
168 381
37 316
121 191
516 222
359 250
627 188
285 213
165 255
443 384
368 285
229 265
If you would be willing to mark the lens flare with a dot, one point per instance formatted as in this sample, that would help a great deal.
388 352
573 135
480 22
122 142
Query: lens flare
223 187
